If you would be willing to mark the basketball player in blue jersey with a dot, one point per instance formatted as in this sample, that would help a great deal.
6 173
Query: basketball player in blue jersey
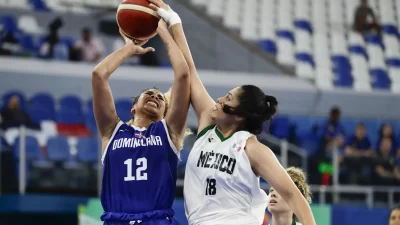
226 162
140 159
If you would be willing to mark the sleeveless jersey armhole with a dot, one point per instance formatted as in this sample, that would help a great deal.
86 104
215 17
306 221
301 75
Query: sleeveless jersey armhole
204 131
119 124
244 143
170 140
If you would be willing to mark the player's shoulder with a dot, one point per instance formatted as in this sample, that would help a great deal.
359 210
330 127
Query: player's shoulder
242 134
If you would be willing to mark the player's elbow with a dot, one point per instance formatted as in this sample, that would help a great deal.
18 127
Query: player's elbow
183 74
99 74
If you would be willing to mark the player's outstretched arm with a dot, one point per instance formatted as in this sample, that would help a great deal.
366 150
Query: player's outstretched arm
200 99
265 164
103 103
180 92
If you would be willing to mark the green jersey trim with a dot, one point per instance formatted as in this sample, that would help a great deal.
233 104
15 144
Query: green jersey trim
204 131
221 137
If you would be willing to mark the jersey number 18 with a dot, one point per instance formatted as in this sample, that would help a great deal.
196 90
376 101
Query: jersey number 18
210 186
142 166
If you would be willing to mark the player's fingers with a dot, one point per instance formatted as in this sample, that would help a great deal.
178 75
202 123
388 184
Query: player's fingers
153 7
155 2
148 49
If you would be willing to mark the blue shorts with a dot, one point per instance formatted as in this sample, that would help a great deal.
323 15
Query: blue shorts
156 217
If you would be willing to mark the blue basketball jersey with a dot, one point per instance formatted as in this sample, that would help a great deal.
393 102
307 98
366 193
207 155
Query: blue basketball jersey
140 172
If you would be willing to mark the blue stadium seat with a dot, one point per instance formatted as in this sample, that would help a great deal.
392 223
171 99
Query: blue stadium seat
268 46
280 127
32 148
318 122
343 79
302 124
340 62
393 62
39 5
69 116
285 34
58 149
71 101
359 50
303 25
43 99
373 39
27 43
90 122
9 24
39 113
310 143
390 29
380 79
124 107
88 150
305 57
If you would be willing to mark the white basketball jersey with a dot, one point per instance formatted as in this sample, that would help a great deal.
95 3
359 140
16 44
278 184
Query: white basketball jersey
220 186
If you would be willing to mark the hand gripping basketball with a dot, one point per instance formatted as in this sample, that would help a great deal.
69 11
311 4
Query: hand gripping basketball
165 12
137 45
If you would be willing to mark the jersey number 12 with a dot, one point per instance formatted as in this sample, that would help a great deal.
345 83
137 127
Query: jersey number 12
142 166
210 187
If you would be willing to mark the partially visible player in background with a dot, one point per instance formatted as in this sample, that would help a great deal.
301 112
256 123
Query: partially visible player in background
141 159
225 164
394 217
279 208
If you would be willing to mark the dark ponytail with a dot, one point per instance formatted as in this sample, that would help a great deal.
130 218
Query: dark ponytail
272 105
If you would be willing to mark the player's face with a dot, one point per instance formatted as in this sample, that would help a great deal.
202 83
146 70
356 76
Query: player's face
151 102
395 217
230 99
276 203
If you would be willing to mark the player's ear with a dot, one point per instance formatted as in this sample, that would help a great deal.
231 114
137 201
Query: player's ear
133 110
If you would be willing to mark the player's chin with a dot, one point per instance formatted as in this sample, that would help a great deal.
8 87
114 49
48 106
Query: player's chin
273 207
152 111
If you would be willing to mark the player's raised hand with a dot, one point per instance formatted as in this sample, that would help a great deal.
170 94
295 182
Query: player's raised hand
136 45
165 12
155 4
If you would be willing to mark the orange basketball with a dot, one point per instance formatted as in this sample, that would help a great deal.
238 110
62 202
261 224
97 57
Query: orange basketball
136 20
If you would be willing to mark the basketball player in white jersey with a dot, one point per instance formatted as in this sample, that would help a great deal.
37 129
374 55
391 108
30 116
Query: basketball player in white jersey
280 210
225 164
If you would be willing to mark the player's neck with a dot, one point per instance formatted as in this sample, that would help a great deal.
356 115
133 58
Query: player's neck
140 122
226 131
282 219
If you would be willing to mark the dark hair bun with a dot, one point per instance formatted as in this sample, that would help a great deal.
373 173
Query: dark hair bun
272 104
